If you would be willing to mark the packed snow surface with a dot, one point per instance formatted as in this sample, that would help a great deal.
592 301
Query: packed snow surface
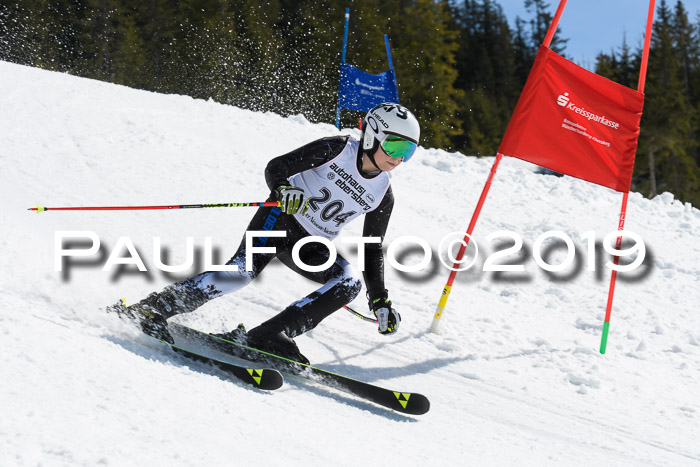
514 377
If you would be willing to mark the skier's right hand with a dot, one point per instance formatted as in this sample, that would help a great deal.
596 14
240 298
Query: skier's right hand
293 199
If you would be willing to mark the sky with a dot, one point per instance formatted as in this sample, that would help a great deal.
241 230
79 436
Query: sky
594 26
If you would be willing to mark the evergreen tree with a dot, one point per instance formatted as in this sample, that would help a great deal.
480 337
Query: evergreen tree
488 73
628 66
45 33
666 121
15 24
695 93
312 44
425 47
622 67
523 54
158 20
129 57
539 24
687 50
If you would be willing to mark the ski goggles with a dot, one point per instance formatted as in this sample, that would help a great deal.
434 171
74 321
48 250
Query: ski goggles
398 147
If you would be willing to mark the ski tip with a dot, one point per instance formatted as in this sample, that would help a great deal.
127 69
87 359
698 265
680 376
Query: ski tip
266 378
411 403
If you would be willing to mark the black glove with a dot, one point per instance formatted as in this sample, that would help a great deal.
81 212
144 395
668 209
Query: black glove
388 318
292 199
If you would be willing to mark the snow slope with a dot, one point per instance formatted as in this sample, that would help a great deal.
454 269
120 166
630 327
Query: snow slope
515 376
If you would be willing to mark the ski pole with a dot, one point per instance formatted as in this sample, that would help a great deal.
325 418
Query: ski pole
361 316
39 209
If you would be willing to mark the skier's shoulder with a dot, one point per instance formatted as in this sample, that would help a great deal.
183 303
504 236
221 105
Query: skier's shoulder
328 146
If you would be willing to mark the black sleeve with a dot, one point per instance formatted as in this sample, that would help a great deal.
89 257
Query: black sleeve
310 155
376 223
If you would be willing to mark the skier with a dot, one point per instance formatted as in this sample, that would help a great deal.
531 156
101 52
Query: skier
320 187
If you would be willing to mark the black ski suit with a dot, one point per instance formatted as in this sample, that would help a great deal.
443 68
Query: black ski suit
341 283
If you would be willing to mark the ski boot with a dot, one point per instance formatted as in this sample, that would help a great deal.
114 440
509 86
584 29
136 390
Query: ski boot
148 320
275 335
279 344
237 335
152 312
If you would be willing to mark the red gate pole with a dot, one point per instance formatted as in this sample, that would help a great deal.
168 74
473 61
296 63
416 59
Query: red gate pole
613 276
625 196
465 242
553 25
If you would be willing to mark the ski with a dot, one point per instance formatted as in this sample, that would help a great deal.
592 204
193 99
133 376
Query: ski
199 350
404 402
265 378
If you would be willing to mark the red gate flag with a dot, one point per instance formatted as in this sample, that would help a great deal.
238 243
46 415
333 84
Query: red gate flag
575 122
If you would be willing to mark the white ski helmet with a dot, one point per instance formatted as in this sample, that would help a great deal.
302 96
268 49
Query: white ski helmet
393 127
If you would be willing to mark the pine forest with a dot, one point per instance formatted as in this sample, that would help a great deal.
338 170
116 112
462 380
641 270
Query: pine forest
460 65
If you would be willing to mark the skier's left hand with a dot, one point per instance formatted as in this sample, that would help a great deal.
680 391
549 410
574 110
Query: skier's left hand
388 318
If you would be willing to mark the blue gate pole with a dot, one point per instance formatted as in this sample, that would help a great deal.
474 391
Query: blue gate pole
388 52
345 45
391 66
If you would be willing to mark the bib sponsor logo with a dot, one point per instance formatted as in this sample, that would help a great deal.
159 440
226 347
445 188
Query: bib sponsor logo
349 185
